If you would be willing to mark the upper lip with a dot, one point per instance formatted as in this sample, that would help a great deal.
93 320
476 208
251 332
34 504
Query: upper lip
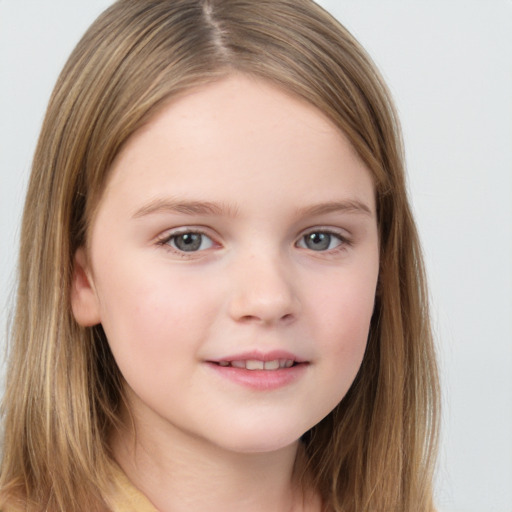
257 355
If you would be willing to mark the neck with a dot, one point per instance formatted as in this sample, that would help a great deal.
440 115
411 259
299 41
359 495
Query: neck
180 473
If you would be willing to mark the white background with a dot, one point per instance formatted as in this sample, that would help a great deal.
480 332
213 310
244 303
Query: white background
449 66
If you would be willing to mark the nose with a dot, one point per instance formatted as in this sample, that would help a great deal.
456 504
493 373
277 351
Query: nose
264 291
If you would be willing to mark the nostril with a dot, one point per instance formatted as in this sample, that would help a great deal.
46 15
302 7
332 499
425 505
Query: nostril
287 318
249 318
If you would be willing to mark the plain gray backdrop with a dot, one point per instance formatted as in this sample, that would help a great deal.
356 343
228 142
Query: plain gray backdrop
449 66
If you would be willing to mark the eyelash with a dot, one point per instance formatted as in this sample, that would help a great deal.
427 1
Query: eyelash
165 241
344 242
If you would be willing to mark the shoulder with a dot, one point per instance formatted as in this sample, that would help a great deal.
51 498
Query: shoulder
125 496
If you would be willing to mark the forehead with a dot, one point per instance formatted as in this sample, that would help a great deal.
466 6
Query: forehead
238 134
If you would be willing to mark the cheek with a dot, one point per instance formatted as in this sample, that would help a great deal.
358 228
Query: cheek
341 307
344 307
345 300
153 316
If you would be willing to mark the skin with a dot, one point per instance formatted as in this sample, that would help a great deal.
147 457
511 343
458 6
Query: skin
272 169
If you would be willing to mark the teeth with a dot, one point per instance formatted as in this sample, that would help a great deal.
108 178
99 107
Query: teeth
254 364
271 365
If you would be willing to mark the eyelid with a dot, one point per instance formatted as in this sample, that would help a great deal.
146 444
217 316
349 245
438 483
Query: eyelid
164 239
344 238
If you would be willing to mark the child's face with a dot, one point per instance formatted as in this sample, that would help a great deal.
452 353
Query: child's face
239 225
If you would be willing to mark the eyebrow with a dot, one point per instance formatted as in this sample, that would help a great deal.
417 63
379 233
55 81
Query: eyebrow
349 206
186 208
224 209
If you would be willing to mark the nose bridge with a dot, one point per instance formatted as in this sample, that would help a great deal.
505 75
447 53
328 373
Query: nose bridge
263 287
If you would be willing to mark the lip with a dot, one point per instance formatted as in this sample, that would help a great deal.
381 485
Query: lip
260 380
260 356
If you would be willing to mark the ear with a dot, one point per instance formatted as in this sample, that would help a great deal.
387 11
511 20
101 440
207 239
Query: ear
84 301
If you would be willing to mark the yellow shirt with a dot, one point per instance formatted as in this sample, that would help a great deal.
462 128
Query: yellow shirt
125 498
128 498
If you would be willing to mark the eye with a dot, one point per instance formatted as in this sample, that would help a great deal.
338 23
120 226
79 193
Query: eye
320 241
189 241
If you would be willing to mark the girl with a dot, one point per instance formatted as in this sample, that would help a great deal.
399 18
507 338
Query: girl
221 301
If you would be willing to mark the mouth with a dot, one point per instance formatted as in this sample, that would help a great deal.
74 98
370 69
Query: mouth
256 364
261 371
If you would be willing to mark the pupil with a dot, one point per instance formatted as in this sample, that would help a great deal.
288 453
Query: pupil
188 242
318 241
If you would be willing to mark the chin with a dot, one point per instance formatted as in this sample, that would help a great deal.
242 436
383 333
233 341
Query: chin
262 440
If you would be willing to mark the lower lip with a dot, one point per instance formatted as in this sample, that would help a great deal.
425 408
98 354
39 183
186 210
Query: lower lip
261 380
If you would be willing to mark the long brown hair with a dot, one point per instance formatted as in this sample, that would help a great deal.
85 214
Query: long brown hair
375 452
